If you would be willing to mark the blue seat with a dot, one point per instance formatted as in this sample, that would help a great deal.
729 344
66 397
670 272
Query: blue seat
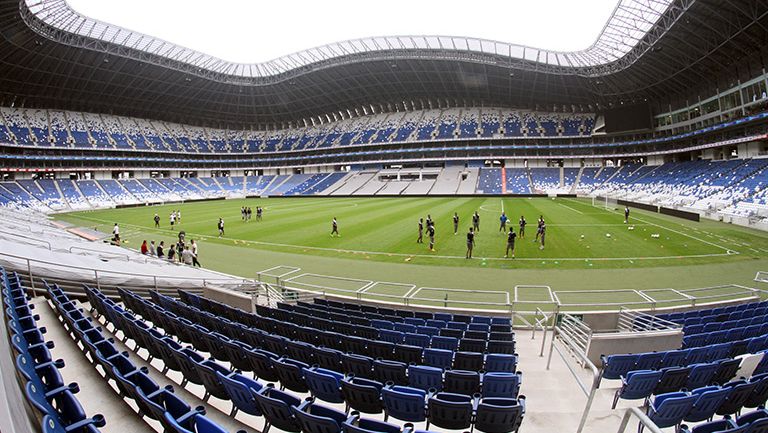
404 327
649 361
382 324
199 424
428 330
425 377
396 337
471 361
314 418
672 379
501 384
51 424
420 340
241 391
760 393
726 370
291 374
208 370
708 399
499 415
276 407
166 402
355 424
324 384
720 426
496 362
390 371
357 365
669 409
616 366
439 358
637 385
415 321
328 358
461 382
445 343
740 392
63 407
262 364
404 403
701 375
450 411
362 395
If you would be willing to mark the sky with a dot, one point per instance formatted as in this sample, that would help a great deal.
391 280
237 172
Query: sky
254 31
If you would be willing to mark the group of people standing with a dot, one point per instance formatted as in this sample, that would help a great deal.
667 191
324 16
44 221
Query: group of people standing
475 229
246 212
178 252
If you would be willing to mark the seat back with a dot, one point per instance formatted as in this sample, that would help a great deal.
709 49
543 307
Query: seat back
362 394
276 407
324 384
404 403
501 385
499 415
450 411
425 378
240 390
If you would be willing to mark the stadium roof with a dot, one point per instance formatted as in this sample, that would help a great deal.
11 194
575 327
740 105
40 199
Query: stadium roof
650 49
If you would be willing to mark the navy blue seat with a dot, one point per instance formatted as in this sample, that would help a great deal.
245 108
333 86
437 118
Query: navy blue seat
445 343
355 424
708 399
357 365
324 384
290 373
404 403
390 371
499 415
616 366
726 371
439 358
701 375
637 385
495 362
649 361
241 391
760 393
409 354
420 340
199 424
461 382
450 411
740 392
362 395
328 358
395 337
314 418
208 370
501 384
425 377
668 410
262 364
672 379
276 407
472 361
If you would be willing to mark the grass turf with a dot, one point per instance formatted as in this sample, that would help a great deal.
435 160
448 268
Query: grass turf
378 236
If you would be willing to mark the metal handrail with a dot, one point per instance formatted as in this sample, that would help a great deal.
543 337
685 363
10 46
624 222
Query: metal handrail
581 354
643 418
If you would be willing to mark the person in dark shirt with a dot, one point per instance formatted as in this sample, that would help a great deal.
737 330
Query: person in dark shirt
420 239
543 231
522 223
335 227
510 243
431 233
470 242
626 214
538 228
429 220
161 249
455 223
259 211
171 253
157 220
476 222
220 226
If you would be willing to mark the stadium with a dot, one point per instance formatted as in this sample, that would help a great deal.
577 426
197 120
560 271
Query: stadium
397 234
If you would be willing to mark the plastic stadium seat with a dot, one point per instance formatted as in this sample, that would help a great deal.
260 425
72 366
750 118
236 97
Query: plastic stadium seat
760 393
290 373
362 395
314 418
461 382
674 358
445 343
409 354
213 387
262 364
501 384
453 333
616 366
638 384
404 403
668 410
438 358
740 392
395 337
324 384
708 399
357 365
500 362
649 361
468 361
355 424
499 346
241 390
199 424
420 340
390 371
276 407
425 378
499 415
450 411
726 370
701 375
672 379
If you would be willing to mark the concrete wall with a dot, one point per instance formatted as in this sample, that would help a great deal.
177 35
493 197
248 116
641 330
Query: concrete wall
229 297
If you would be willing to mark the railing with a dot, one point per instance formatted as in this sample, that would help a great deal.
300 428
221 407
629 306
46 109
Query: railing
637 321
643 418
571 334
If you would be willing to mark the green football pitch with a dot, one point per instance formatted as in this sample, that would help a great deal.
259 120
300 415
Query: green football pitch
587 247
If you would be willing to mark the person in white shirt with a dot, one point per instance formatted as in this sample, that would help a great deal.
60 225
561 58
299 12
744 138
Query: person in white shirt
116 234
195 262
186 256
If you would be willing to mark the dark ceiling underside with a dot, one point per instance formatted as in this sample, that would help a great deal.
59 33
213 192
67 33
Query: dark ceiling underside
713 44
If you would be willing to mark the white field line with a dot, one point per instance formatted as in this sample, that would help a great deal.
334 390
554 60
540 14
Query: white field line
575 210
382 253
729 251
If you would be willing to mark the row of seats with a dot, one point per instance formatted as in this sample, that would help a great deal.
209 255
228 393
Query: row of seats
672 409
54 401
752 422
321 342
720 314
287 412
706 326
644 383
615 366
156 402
269 357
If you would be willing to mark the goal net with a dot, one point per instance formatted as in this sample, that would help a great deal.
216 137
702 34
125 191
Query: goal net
608 203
